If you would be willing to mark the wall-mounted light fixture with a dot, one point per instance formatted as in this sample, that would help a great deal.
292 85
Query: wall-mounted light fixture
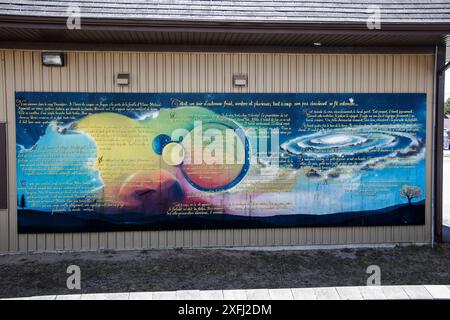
123 79
53 59
240 80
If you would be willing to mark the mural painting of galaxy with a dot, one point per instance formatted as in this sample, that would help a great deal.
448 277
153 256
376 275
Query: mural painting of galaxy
91 162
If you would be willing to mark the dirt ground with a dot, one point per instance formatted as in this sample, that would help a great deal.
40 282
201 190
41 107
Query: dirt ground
154 270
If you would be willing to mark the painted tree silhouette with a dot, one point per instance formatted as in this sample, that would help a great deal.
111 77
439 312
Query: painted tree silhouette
22 202
410 192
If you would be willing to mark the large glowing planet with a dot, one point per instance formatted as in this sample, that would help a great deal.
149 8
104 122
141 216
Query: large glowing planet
216 157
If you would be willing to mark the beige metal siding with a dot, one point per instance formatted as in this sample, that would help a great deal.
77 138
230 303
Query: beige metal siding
210 72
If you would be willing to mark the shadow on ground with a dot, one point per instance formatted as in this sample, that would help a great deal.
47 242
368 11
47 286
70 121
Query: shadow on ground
154 270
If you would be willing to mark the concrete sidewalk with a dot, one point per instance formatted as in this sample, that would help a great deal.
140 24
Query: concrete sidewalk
325 293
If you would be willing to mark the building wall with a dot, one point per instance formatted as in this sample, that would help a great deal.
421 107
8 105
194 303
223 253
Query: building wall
210 72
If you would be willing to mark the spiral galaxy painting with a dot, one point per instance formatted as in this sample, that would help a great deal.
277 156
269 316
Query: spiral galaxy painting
170 161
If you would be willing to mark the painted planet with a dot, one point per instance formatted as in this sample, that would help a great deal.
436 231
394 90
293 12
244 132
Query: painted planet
159 142
215 157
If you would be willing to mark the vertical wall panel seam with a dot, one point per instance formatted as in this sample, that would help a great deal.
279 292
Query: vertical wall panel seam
10 175
8 158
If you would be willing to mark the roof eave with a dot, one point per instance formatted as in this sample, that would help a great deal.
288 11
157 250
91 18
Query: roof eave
286 27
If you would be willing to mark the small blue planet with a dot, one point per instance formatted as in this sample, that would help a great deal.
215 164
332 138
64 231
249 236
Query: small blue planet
159 142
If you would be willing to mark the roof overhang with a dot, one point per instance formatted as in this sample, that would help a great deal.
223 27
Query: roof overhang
221 26
143 34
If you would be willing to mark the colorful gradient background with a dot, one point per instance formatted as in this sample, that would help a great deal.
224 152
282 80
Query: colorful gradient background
131 174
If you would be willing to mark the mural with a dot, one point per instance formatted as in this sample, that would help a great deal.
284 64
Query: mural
167 161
